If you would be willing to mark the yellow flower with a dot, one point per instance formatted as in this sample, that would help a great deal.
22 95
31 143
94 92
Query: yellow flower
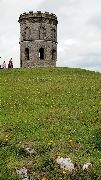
60 178
58 157
64 172
50 142
43 178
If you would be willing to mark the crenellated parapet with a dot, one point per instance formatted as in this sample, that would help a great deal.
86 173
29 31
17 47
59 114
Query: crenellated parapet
36 17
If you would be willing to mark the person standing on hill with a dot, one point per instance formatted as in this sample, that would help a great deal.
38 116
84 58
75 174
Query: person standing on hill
4 65
10 64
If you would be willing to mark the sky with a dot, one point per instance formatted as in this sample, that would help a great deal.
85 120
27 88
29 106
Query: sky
79 30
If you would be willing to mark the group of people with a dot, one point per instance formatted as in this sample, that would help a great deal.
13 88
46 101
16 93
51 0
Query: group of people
10 64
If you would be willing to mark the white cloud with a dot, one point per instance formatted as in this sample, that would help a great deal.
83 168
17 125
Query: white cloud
79 30
78 35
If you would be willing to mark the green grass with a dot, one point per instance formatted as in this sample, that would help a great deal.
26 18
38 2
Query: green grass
43 104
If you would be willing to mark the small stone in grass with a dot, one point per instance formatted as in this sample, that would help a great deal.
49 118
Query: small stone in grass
30 151
65 163
23 173
87 166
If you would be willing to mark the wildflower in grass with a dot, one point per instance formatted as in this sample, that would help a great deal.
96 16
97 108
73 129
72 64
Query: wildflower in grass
50 142
60 178
64 172
6 138
43 178
58 157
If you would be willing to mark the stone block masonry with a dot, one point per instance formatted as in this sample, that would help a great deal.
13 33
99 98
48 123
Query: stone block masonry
38 39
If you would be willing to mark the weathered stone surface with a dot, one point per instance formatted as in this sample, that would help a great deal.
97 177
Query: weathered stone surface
23 173
65 163
30 151
38 39
87 166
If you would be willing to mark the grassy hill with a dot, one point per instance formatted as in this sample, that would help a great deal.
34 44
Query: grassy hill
55 111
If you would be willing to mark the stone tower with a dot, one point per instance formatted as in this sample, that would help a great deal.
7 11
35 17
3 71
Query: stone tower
38 39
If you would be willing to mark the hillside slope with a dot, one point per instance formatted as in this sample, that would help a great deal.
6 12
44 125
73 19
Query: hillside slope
55 111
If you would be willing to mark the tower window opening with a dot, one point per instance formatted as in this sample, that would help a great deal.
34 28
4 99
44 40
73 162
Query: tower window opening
53 54
41 53
27 53
21 63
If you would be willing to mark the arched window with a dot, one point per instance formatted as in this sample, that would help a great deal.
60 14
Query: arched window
41 53
53 54
27 53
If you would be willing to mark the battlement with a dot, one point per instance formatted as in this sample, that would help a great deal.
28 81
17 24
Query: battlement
38 15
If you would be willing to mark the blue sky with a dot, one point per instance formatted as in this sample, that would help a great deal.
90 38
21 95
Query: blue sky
79 30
